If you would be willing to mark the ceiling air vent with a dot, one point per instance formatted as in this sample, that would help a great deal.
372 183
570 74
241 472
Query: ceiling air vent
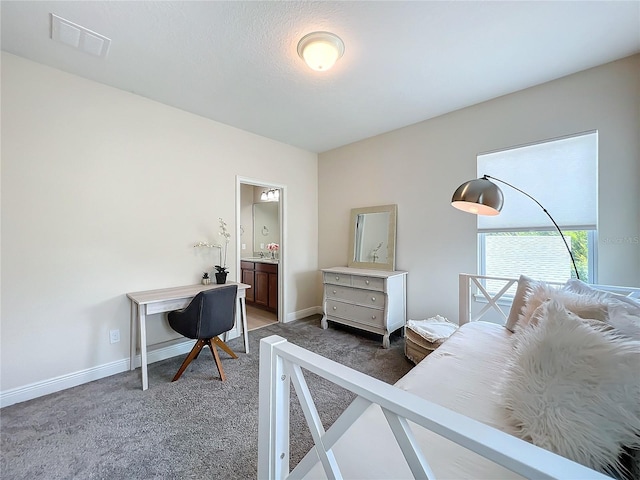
78 37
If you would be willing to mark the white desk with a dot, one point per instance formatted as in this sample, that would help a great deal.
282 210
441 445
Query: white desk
166 300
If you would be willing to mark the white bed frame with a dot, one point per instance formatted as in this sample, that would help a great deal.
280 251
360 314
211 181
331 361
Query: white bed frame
281 363
467 285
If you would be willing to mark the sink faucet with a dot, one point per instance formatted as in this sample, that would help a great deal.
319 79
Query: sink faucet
261 254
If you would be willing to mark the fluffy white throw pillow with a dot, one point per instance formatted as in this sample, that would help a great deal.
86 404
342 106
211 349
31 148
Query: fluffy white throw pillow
582 305
574 389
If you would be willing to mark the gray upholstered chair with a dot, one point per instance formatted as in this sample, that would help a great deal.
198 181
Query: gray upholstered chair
210 313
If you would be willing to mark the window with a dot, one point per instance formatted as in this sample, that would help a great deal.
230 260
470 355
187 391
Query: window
561 174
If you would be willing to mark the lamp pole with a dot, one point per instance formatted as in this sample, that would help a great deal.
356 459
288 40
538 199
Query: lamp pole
575 268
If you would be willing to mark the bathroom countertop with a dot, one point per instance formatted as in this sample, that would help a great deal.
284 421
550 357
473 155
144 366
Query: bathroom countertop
260 260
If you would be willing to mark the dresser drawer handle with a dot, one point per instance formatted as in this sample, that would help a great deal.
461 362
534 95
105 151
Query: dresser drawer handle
334 292
373 299
335 308
337 277
373 317
367 282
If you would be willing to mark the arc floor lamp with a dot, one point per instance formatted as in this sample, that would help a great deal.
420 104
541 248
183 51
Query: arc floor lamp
483 197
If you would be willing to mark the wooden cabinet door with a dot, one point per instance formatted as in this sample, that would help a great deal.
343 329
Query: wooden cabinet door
262 288
273 291
248 278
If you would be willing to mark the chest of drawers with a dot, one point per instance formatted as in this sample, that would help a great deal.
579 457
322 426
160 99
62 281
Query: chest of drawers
371 300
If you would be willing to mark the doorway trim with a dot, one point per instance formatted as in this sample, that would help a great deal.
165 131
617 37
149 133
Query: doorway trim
282 212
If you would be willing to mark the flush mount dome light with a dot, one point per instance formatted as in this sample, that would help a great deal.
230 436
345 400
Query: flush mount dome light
320 50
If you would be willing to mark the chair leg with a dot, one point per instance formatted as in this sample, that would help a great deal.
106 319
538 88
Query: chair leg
216 357
192 354
224 346
212 342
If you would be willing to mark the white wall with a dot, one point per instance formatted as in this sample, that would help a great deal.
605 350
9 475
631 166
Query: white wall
420 166
105 192
246 218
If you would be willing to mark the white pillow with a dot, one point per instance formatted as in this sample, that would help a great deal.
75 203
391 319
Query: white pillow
524 285
625 323
578 286
623 313
574 389
584 306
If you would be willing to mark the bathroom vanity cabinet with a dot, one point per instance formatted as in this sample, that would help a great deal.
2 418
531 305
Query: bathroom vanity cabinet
263 278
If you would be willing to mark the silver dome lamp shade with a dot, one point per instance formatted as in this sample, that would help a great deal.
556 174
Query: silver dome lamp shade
480 196
483 197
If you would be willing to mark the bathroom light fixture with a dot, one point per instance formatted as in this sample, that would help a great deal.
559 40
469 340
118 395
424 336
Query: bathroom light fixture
320 50
271 195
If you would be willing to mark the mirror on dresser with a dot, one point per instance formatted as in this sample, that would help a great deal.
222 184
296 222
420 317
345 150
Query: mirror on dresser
372 237
369 294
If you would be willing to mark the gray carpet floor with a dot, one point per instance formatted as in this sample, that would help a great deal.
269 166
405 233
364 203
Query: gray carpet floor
197 427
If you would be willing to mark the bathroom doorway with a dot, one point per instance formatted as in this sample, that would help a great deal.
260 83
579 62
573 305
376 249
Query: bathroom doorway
260 249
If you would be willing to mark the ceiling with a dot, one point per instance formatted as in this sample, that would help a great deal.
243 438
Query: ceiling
404 62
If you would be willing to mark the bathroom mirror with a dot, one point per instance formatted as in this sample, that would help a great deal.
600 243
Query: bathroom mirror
372 237
266 225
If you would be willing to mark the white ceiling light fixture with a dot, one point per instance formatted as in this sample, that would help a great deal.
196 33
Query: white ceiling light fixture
320 50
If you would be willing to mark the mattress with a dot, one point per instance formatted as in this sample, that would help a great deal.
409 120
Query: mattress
462 375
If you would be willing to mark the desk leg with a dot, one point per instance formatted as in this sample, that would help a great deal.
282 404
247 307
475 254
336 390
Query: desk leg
245 331
134 335
143 345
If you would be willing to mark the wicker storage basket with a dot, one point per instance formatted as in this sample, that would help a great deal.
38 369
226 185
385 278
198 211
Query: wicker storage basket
416 347
423 336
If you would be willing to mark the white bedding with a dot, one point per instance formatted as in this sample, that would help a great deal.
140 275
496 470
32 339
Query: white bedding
460 366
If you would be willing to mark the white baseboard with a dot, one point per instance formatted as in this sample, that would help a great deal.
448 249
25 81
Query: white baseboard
56 384
303 313
52 385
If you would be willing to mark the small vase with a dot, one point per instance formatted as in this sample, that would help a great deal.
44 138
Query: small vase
221 277
206 281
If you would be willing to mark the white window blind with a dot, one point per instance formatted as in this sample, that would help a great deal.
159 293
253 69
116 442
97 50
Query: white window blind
561 174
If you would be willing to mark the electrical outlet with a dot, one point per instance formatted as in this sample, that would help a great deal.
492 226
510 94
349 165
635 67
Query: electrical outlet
244 246
114 336
262 246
